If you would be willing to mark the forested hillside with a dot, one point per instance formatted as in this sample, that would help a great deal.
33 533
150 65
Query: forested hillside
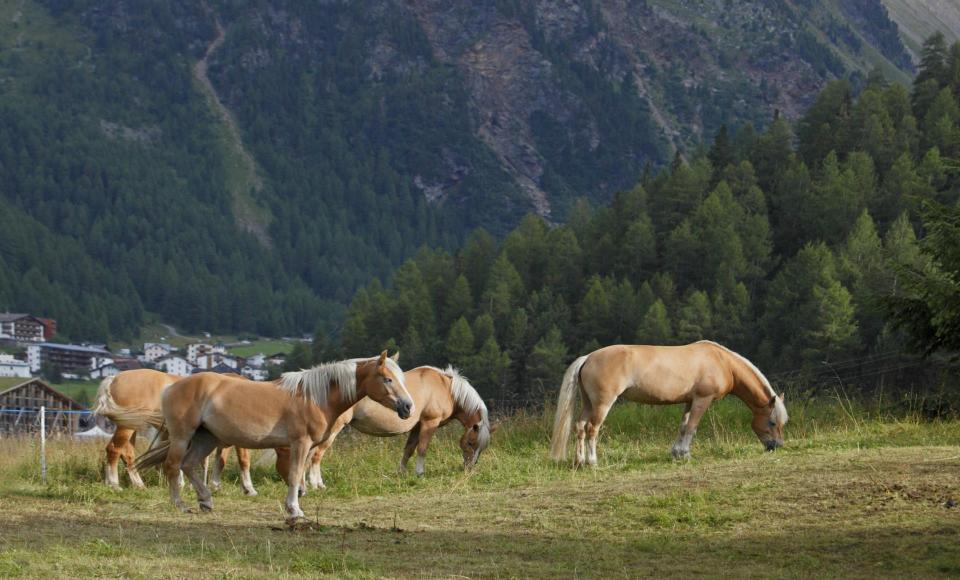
786 252
319 145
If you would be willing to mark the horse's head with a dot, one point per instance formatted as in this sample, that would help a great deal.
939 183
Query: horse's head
768 422
381 379
476 437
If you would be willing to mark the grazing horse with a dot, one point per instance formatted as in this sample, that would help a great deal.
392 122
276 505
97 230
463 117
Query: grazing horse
695 375
438 396
207 410
131 399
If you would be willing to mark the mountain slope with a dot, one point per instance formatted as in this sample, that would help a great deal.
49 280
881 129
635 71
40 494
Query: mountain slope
252 180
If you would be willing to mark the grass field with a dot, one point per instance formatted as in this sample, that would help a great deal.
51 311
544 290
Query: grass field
850 495
156 332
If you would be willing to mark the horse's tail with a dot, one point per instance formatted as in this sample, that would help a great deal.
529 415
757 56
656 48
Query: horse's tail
130 417
105 403
155 455
563 421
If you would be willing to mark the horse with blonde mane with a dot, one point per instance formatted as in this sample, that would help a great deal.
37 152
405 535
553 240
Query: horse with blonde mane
439 397
207 410
131 399
694 375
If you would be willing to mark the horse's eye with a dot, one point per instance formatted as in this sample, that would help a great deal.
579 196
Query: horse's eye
387 380
772 423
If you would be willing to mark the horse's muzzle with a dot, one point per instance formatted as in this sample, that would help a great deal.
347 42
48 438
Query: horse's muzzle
404 406
773 444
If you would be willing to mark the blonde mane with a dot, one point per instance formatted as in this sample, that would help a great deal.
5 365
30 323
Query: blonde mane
314 383
779 413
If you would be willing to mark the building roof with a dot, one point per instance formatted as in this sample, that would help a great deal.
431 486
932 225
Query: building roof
74 347
43 384
11 316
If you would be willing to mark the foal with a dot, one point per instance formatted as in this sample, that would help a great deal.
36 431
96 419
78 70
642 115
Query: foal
694 375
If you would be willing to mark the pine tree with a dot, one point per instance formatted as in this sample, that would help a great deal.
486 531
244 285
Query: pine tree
460 343
655 327
547 362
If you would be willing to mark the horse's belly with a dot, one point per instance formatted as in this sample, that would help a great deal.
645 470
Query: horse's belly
373 418
652 396
248 434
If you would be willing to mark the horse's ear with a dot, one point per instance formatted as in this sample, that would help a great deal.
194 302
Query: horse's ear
494 427
383 358
396 357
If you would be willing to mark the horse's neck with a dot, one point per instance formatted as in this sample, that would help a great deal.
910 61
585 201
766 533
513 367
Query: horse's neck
748 387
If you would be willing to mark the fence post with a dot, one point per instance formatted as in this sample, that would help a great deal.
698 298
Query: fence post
43 445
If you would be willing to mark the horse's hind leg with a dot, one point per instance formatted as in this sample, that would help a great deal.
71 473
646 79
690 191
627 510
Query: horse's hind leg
580 457
219 462
202 443
129 455
171 469
598 414
688 427
246 482
114 451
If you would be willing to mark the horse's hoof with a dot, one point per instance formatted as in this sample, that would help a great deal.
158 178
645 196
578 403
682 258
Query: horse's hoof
250 492
680 454
206 508
188 510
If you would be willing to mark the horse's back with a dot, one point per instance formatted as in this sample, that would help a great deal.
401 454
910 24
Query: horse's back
140 388
655 374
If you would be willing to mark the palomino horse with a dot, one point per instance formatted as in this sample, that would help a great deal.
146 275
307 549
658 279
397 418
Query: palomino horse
207 409
695 374
131 399
438 396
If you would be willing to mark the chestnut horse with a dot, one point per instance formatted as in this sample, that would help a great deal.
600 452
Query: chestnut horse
131 399
694 375
207 409
439 397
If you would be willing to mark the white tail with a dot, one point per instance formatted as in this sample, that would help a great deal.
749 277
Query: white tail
104 402
133 418
563 421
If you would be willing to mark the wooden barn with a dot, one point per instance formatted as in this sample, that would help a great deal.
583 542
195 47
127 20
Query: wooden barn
20 409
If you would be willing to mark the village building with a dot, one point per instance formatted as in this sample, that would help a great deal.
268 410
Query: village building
116 367
276 360
257 361
153 351
254 374
69 358
210 360
22 328
175 365
13 367
20 409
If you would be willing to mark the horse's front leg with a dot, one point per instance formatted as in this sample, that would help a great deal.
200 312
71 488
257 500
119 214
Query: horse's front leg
688 427
412 440
299 449
427 430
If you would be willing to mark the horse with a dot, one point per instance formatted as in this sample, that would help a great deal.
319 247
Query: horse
131 399
439 397
694 375
205 410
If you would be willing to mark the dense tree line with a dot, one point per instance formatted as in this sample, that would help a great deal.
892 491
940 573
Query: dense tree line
776 244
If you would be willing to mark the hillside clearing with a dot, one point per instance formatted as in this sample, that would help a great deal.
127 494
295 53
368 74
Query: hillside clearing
853 498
